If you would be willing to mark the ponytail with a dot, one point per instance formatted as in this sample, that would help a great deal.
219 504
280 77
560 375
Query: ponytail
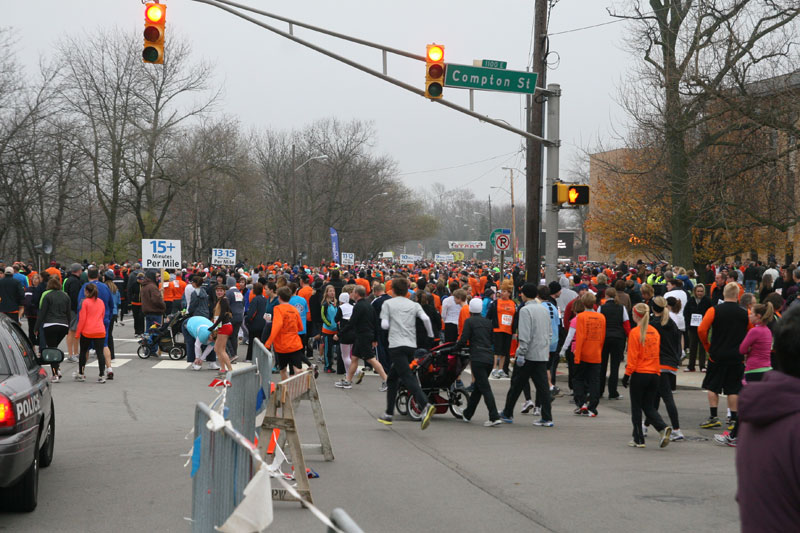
765 311
642 311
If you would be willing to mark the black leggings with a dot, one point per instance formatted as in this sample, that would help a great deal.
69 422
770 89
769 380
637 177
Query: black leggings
666 383
53 335
644 389
97 344
33 335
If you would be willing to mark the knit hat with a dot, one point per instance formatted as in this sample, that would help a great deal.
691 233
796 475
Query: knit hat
476 306
555 287
344 298
109 275
530 290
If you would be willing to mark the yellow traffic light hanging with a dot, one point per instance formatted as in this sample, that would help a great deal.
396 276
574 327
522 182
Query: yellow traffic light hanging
434 71
155 15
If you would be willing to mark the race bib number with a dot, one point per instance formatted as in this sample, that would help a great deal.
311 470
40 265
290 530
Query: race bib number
238 296
176 284
165 284
695 320
506 320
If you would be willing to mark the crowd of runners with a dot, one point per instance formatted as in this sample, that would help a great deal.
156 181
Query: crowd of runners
737 324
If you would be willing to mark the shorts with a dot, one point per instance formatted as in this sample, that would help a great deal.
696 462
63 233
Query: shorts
225 329
502 343
73 323
363 350
294 358
724 378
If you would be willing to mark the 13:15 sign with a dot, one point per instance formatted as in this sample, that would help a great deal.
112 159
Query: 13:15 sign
161 253
223 256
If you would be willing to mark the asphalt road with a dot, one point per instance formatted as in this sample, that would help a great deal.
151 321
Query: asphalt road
118 464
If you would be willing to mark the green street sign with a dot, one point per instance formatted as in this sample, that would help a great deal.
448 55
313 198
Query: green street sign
498 231
490 79
491 63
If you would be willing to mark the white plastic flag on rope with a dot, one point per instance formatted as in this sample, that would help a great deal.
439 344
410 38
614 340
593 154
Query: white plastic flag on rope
254 514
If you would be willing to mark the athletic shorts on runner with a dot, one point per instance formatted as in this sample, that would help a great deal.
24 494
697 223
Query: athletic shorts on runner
502 343
295 359
363 350
724 378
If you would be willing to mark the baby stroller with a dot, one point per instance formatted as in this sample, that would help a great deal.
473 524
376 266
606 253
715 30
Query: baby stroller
164 337
437 370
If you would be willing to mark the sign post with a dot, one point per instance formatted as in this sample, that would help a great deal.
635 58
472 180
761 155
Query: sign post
161 254
223 256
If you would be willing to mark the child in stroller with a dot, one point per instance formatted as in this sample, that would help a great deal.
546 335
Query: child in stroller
164 337
437 370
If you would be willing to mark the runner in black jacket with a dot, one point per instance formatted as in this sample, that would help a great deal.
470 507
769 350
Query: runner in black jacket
363 325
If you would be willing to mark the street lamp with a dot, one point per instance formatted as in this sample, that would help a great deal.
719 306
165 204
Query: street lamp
375 196
310 159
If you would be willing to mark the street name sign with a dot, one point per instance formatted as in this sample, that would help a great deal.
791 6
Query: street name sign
490 79
161 253
223 256
489 63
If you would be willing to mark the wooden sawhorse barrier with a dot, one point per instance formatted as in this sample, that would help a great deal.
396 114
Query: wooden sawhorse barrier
287 395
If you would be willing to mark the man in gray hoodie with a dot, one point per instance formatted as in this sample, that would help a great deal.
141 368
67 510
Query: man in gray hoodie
533 334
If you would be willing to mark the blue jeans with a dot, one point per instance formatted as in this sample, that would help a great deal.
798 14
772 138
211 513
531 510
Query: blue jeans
149 320
750 285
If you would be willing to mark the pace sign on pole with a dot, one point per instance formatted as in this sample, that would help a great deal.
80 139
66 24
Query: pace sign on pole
223 256
348 259
161 253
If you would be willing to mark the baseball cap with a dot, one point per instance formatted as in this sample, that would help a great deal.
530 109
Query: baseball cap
75 267
9 270
581 287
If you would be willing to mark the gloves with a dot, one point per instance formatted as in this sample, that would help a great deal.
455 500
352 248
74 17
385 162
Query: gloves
626 380
519 361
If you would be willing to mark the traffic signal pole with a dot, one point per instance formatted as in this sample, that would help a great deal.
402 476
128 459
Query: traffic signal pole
228 6
551 220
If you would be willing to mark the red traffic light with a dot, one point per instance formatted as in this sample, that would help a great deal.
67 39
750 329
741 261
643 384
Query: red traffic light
154 13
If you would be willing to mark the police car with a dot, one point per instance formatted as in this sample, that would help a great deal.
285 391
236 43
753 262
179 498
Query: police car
27 416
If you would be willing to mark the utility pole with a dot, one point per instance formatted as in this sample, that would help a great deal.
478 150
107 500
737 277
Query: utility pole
533 163
513 216
551 220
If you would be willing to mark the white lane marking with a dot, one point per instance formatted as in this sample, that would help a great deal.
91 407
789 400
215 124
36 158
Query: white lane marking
114 364
172 365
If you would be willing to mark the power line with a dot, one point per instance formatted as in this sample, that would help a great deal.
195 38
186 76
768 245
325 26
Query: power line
456 166
586 27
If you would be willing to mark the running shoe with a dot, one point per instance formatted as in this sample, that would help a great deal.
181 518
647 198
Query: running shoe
725 439
428 414
688 369
55 379
544 423
664 434
493 375
78 377
359 376
616 397
644 430
329 371
344 384
316 371
677 435
730 425
72 358
527 406
197 367
470 389
212 365
384 387
555 391
590 413
459 384
633 444
492 423
576 411
712 422
506 419
110 373
537 411
101 379
584 411
502 374
385 419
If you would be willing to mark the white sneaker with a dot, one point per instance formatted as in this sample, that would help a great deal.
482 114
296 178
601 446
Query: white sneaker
644 430
197 367
677 434
537 411
213 365
527 406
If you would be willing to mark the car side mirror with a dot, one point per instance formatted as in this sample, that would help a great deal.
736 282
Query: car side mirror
51 356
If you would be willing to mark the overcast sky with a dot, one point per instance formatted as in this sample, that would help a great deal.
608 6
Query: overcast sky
270 81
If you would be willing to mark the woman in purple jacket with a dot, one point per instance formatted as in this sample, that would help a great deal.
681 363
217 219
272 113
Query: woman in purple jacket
767 464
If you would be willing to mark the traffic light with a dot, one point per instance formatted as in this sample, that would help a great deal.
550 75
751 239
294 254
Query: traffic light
434 71
578 195
155 16
559 193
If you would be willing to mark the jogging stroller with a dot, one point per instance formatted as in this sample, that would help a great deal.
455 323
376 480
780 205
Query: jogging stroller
437 370
164 337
